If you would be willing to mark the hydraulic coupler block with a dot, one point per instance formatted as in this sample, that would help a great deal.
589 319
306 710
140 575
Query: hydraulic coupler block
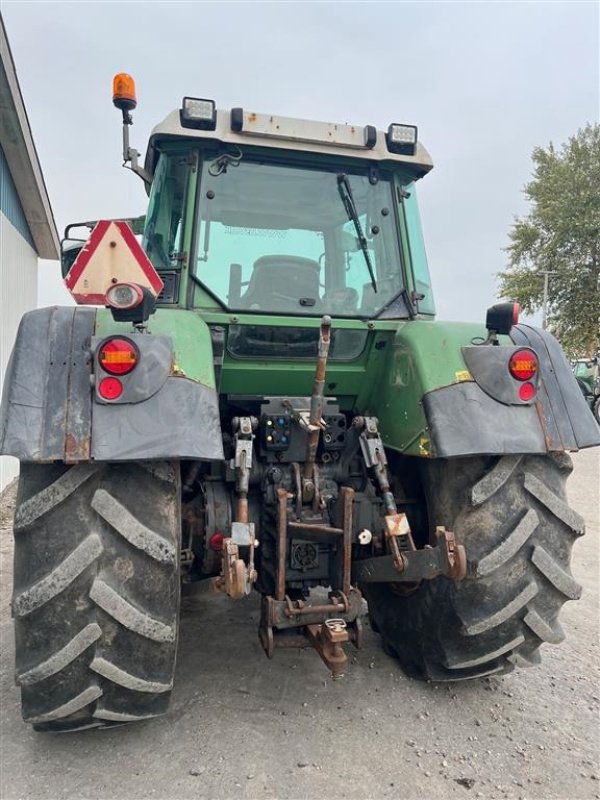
276 432
334 433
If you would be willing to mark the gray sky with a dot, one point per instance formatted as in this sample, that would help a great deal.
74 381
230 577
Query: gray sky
485 83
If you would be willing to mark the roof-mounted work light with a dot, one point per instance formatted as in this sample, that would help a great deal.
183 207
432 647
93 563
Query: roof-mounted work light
402 139
198 113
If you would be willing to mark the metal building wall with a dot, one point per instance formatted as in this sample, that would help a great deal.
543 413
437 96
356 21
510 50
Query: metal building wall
18 283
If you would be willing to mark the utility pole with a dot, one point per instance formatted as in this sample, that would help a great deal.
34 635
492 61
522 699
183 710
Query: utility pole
546 273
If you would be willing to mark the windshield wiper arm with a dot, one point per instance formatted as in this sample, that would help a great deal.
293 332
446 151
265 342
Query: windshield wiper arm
350 206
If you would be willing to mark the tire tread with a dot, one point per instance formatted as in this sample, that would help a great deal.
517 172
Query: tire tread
59 578
96 634
517 529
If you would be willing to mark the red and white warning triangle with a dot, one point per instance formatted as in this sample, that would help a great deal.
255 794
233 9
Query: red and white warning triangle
111 255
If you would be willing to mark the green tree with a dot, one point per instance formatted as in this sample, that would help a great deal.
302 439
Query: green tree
561 235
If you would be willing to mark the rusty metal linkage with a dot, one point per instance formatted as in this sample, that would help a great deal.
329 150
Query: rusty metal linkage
397 528
315 422
237 577
279 619
280 614
282 500
244 428
347 500
288 613
446 558
453 554
298 608
234 571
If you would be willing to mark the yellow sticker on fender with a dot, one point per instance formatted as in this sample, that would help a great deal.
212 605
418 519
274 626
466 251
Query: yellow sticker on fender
463 375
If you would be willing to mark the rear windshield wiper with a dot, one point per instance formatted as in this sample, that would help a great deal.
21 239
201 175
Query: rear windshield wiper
350 206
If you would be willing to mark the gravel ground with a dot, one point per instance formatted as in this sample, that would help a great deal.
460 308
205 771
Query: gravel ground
241 726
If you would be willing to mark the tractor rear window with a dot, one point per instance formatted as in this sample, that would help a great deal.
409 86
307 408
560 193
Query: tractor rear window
282 239
266 341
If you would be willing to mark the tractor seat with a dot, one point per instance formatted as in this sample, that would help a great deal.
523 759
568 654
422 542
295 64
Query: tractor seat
280 283
340 301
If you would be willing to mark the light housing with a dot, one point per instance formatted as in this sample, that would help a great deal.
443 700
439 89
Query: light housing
370 136
501 317
124 296
117 356
197 112
130 302
523 365
124 97
402 139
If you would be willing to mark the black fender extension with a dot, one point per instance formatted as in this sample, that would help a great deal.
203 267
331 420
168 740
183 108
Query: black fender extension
464 420
49 411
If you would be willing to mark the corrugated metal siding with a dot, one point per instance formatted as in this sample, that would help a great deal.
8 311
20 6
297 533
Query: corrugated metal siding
18 294
9 201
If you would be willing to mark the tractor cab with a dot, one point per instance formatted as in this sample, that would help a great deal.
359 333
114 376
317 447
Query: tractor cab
258 214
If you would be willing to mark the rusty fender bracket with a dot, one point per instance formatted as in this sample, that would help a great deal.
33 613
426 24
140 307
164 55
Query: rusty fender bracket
446 558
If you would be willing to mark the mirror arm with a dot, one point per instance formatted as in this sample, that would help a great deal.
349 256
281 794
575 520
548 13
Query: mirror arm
130 154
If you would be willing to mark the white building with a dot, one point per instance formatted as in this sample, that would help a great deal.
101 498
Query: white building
27 227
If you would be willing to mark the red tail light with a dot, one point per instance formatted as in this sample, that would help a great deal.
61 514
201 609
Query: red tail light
523 365
110 388
526 392
118 356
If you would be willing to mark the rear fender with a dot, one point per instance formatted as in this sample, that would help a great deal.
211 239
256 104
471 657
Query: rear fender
51 410
46 400
441 395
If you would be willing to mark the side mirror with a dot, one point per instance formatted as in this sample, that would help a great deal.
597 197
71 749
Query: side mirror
69 250
70 246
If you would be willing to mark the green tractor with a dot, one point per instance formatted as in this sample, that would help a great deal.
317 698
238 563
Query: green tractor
259 398
587 373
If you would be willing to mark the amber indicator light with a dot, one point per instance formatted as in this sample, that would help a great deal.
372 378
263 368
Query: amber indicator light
523 365
117 356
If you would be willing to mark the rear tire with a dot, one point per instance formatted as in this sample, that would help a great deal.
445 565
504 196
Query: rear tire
96 592
511 515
